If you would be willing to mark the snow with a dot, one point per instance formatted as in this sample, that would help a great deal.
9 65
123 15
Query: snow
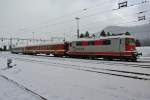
10 91
53 79
145 51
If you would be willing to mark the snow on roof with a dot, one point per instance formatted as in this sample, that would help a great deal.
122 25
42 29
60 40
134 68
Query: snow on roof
106 37
53 43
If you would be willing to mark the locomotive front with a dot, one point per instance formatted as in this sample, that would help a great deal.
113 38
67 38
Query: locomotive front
130 48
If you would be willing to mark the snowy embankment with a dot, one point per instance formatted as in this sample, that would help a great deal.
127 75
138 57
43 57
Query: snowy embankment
53 78
11 90
144 50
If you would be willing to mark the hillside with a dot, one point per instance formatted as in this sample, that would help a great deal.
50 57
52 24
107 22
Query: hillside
141 32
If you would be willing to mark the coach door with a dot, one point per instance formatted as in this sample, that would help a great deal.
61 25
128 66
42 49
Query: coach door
120 45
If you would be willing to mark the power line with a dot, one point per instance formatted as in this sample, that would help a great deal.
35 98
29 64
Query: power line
76 12
94 14
66 27
97 6
86 26
143 2
90 25
82 17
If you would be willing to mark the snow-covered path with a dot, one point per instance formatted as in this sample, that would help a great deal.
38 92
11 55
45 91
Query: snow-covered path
52 78
12 91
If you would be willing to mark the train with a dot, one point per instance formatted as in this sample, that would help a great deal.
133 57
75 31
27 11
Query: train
110 47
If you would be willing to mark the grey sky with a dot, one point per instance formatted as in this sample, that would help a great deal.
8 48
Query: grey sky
47 18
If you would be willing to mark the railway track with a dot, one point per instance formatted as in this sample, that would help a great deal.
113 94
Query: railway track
106 71
140 64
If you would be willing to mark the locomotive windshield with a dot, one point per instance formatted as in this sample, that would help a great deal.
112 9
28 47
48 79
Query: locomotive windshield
130 41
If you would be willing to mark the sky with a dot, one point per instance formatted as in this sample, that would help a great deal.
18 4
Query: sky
43 19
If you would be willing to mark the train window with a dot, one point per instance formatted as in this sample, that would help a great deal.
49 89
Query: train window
91 42
106 42
84 43
130 41
78 43
49 47
98 42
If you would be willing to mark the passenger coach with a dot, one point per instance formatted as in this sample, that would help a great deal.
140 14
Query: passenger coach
56 49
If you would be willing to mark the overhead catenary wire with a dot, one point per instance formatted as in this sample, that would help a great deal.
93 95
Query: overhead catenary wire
96 26
89 24
82 16
70 14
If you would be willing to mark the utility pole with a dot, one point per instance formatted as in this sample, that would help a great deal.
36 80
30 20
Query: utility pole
33 35
77 19
64 38
10 44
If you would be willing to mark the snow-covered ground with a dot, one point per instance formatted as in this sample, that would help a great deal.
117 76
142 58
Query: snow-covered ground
145 51
74 79
12 91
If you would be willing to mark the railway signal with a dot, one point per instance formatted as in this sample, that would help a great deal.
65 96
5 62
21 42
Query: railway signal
141 18
122 4
141 15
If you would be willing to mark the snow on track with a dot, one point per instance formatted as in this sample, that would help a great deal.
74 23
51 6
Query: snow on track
79 79
122 69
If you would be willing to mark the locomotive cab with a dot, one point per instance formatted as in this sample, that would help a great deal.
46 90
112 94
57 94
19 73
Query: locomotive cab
130 44
130 48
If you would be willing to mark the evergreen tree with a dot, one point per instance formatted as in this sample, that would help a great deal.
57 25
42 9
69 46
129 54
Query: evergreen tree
86 34
81 35
109 34
103 33
127 33
93 35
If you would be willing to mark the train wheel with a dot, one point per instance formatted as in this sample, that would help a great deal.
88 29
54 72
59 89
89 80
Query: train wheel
134 59
47 54
57 55
91 57
126 59
108 58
